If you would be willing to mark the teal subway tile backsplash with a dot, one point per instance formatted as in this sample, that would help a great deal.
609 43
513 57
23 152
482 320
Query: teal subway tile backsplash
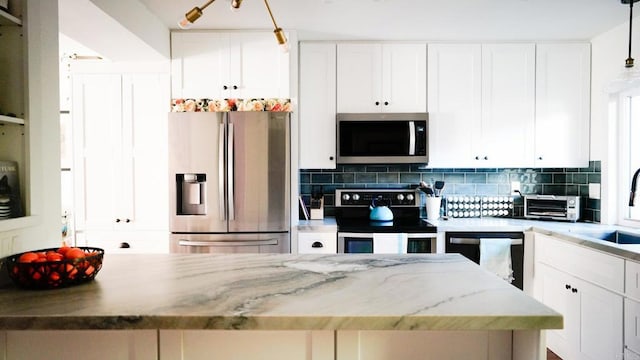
554 181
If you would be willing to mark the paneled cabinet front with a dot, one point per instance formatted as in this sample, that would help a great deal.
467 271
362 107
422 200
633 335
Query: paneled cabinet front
120 154
481 105
381 77
208 64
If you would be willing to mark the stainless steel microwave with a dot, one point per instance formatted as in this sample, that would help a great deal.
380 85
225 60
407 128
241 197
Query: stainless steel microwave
552 207
382 138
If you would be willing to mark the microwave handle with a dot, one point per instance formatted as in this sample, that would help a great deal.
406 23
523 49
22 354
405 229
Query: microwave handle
412 138
550 197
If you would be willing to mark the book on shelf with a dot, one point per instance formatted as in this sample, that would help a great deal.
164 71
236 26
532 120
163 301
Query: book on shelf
10 201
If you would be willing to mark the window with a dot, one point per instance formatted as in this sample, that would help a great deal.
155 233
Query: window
628 158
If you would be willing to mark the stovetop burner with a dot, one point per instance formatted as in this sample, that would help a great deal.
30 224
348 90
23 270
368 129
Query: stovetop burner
352 211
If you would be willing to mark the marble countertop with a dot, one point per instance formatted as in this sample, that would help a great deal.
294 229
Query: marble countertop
281 291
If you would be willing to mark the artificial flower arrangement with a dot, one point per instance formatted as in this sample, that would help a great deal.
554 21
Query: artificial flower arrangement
215 105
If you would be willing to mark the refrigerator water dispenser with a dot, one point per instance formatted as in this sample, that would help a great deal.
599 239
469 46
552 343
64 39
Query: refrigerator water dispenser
191 191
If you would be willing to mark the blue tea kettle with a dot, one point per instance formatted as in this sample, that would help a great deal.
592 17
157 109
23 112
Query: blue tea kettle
379 212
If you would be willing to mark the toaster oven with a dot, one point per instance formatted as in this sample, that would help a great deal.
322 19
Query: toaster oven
552 207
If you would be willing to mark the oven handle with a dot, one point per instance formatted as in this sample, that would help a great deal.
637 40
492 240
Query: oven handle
476 241
205 243
370 235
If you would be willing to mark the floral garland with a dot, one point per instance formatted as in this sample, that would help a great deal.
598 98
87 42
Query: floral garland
215 105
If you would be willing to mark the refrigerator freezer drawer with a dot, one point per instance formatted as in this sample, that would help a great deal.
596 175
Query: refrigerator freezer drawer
230 243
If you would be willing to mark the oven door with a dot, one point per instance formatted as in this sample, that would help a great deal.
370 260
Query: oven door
363 243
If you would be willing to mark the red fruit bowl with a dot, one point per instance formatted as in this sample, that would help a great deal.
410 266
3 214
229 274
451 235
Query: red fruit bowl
49 270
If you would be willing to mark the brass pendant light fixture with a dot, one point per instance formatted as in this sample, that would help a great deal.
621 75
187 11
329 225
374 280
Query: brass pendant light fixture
195 13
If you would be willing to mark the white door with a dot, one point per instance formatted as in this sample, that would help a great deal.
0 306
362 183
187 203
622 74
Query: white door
557 294
404 78
258 67
562 105
454 100
96 113
317 106
508 80
359 80
199 65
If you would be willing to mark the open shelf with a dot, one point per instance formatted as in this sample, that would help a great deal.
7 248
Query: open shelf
11 120
8 19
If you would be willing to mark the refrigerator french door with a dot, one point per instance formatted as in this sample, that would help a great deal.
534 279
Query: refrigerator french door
230 179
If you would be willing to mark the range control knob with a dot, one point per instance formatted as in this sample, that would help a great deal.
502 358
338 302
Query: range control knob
345 197
410 197
400 197
356 197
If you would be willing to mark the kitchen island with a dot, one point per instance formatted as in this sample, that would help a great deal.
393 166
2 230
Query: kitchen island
173 306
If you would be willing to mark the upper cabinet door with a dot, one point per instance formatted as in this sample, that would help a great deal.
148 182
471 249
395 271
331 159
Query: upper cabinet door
209 64
317 106
562 105
381 78
404 78
359 78
454 103
508 80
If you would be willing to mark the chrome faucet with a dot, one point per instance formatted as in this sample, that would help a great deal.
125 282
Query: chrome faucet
634 183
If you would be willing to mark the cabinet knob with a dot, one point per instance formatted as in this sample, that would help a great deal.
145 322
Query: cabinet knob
235 87
127 220
386 103
377 103
539 157
317 244
486 158
331 158
574 290
224 87
118 220
567 286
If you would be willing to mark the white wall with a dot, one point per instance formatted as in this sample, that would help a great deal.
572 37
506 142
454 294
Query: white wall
609 51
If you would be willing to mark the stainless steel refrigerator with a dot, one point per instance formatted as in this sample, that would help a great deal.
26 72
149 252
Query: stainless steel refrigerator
229 182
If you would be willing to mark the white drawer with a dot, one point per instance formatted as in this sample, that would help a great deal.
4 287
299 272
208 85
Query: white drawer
587 264
317 242
632 326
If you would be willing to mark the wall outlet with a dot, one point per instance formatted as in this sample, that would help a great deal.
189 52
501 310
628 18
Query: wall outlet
594 191
515 186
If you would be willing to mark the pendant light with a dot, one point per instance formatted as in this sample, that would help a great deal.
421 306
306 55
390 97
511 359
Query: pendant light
630 76
195 13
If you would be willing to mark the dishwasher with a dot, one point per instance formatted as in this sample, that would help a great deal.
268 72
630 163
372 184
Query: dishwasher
468 244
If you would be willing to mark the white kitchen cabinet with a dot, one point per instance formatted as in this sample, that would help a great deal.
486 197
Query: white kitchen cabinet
120 157
216 65
593 323
317 242
80 344
562 105
631 325
481 105
317 106
381 77
246 345
454 103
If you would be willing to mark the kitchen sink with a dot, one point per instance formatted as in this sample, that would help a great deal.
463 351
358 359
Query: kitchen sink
614 236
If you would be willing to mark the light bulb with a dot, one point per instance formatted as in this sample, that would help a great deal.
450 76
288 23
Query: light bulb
184 23
189 18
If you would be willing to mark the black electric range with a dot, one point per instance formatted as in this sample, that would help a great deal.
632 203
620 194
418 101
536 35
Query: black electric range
352 211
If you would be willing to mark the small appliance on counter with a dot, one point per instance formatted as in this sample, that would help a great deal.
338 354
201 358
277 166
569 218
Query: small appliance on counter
552 207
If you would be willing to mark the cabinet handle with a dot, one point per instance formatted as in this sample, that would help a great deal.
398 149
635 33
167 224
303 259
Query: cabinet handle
317 244
124 245
224 87
477 157
574 290
118 220
386 103
567 286
486 158
128 221
377 103
235 87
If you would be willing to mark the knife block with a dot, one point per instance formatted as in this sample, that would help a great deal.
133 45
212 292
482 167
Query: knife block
317 209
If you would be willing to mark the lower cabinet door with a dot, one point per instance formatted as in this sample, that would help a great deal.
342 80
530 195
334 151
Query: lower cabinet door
246 345
632 325
81 344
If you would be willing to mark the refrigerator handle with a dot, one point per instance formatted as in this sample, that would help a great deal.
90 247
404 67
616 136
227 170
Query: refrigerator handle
230 173
223 215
